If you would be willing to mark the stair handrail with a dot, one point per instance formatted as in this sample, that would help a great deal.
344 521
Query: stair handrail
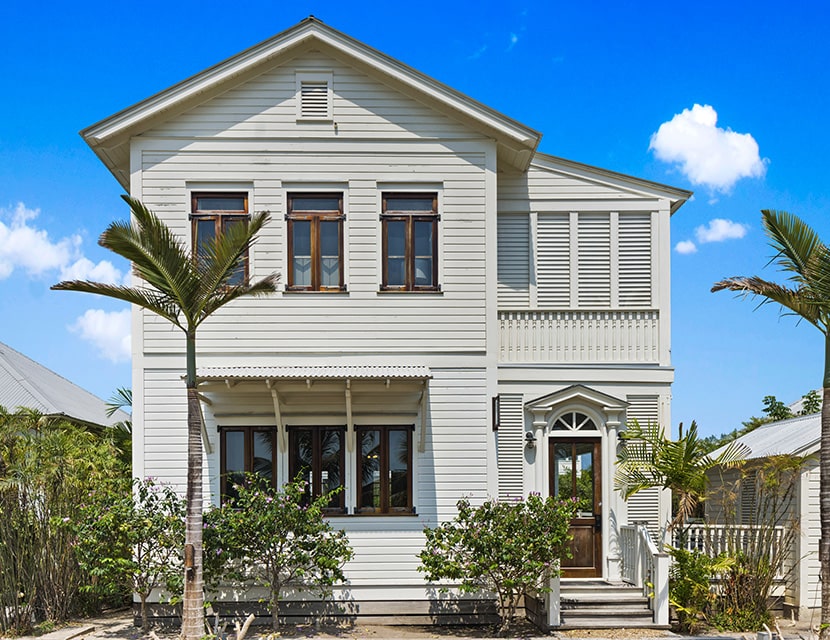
646 567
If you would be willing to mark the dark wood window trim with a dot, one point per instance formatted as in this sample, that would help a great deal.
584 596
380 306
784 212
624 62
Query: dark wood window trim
384 473
248 456
339 506
220 217
393 213
315 218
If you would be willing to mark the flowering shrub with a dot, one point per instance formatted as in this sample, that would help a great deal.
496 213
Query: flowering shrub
274 539
501 546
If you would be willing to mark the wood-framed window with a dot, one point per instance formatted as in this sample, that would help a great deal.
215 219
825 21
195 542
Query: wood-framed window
317 455
211 214
384 470
409 230
246 450
315 242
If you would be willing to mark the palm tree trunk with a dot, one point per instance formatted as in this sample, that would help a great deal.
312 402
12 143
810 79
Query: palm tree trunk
824 497
193 613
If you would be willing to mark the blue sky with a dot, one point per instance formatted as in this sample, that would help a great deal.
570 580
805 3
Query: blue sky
598 80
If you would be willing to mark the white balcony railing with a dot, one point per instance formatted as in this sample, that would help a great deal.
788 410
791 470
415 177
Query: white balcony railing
579 336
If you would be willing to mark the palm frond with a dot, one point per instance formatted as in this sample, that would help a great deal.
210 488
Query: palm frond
227 294
143 297
800 302
121 397
795 242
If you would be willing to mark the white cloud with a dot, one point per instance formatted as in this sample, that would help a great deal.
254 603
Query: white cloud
477 53
513 40
718 230
685 247
26 247
708 155
107 331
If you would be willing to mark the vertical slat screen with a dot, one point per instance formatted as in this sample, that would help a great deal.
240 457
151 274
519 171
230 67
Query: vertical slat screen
514 260
635 259
645 504
511 446
594 260
553 261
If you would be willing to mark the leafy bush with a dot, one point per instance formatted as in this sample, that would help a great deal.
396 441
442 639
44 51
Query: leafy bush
133 541
509 548
274 539
690 585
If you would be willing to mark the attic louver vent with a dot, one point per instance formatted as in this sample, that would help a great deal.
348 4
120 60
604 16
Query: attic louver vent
314 99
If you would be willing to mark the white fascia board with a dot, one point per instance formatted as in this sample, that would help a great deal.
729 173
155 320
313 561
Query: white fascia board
612 178
123 121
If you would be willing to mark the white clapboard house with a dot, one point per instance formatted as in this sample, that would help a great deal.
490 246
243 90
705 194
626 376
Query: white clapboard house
459 314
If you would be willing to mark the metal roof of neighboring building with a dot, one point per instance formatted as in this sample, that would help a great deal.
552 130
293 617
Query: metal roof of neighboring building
797 436
313 373
25 383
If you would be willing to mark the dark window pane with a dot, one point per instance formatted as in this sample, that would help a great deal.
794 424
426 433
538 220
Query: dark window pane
234 460
330 253
313 203
302 453
423 237
263 450
301 250
395 238
398 469
205 233
563 472
395 272
423 271
370 482
331 473
220 203
584 490
409 204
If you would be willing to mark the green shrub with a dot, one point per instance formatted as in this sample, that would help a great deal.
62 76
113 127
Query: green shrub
690 590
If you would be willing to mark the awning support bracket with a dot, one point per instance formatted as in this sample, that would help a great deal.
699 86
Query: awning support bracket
350 434
275 397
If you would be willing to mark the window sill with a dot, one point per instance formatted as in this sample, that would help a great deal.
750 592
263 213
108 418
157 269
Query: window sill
408 292
325 292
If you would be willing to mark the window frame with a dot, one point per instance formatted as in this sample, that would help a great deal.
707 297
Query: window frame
219 217
409 218
315 218
248 453
317 462
385 508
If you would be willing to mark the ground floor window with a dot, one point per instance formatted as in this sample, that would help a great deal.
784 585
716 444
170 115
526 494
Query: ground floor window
316 454
247 450
384 470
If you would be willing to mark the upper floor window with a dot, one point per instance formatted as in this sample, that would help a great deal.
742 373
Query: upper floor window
247 450
315 242
211 214
384 470
410 242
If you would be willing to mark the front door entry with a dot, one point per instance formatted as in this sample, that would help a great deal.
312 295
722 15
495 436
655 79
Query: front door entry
575 473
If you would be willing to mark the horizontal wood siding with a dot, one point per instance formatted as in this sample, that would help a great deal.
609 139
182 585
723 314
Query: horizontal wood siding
266 107
511 445
809 587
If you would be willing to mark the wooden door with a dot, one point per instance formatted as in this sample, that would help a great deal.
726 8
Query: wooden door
575 466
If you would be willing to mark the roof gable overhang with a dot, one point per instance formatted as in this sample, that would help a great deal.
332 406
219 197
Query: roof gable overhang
109 137
635 186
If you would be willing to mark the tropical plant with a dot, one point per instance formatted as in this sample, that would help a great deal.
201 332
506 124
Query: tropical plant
185 288
133 540
122 431
800 253
506 547
275 539
690 585
48 467
649 458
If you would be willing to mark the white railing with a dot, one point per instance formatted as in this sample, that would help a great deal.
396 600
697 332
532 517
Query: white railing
579 336
644 566
714 539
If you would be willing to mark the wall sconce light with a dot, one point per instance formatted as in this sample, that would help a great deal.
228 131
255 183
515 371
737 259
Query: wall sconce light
530 440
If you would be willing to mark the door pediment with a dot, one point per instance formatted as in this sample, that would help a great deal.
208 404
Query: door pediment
608 406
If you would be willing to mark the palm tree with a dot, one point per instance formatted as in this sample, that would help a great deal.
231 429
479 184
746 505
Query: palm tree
802 254
651 459
185 289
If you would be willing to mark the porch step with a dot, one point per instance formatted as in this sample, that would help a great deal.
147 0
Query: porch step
595 604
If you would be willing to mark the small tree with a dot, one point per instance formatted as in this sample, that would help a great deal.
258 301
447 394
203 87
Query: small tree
275 539
506 547
134 540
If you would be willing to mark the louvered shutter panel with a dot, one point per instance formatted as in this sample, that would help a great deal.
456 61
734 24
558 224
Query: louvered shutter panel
314 99
594 260
749 497
513 260
554 261
511 442
635 259
645 504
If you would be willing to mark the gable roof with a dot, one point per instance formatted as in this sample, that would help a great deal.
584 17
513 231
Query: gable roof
612 179
25 383
797 436
110 138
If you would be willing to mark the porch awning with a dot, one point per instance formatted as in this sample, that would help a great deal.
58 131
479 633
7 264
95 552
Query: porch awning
314 373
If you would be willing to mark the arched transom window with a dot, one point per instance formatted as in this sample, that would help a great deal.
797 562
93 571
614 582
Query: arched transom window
574 421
